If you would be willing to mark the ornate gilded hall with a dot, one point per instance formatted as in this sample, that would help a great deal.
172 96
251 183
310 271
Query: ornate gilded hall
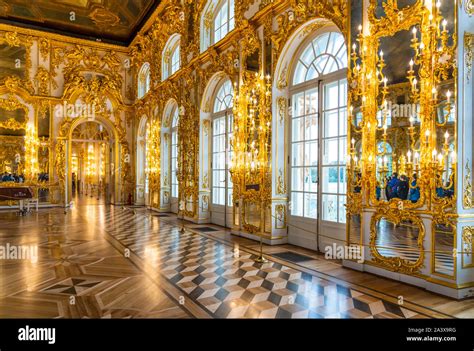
236 159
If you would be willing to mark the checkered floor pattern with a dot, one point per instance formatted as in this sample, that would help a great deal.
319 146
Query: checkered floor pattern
226 281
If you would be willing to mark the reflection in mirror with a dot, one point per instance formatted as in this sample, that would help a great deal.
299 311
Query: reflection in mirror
398 240
443 249
252 215
398 124
43 124
401 4
43 168
445 150
13 122
12 145
12 61
12 157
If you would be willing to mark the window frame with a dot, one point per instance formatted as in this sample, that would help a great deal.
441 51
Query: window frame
144 80
230 17
318 84
227 114
174 117
168 67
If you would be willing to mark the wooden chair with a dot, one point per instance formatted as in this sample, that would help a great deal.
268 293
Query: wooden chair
33 201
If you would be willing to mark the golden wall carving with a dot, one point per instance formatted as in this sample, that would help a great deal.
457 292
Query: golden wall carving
469 54
468 6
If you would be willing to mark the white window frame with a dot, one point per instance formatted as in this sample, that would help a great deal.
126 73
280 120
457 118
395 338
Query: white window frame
208 22
318 84
144 80
174 193
171 61
227 114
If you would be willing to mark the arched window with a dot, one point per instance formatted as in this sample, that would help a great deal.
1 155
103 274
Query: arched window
171 57
216 22
222 124
325 54
318 136
174 154
144 80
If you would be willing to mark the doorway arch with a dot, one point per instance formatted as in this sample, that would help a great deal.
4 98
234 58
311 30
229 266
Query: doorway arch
216 125
113 195
141 186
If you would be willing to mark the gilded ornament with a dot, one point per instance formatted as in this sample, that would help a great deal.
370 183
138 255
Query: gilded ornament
467 234
467 195
282 109
281 184
469 7
469 54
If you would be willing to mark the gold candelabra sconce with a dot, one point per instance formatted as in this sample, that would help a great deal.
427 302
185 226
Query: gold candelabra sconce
32 144
91 167
251 146
152 157
252 131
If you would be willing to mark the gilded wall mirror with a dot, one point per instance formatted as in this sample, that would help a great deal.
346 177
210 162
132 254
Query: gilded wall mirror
443 249
396 241
415 128
13 61
12 156
44 151
13 122
13 125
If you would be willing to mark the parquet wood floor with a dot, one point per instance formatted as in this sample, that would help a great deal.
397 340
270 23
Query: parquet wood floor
101 261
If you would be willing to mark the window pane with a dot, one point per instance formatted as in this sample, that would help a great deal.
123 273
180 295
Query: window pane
343 122
342 209
297 204
311 73
331 120
342 181
300 74
343 92
330 180
311 179
308 56
297 179
311 102
298 155
298 105
342 151
329 208
311 130
298 129
310 206
311 154
330 156
331 95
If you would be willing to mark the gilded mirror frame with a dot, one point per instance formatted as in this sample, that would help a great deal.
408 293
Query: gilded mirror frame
397 264
367 94
15 40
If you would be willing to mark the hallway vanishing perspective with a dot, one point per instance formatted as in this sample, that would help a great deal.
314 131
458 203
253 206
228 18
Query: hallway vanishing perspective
84 270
